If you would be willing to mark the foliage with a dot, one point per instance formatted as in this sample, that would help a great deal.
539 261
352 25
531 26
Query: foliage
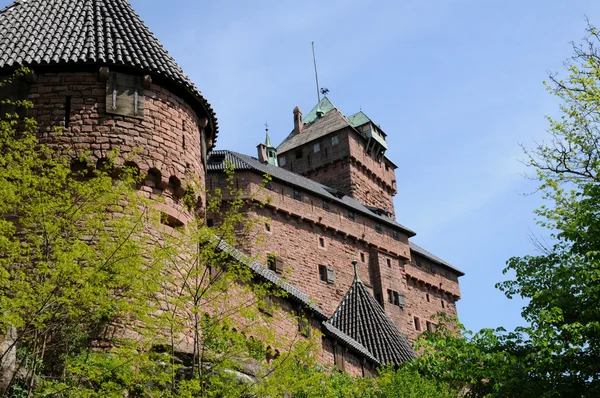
558 354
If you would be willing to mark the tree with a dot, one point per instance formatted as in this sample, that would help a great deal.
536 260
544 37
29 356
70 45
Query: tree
558 354
99 297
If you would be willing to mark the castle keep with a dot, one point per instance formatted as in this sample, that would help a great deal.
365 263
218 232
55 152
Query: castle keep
101 75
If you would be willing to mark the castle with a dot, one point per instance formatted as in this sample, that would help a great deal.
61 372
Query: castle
331 239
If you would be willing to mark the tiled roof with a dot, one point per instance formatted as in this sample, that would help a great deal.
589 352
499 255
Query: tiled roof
300 297
294 293
333 120
361 317
245 162
419 250
104 32
336 333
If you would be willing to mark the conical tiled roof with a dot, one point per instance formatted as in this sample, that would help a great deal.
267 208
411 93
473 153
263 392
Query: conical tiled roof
361 317
105 32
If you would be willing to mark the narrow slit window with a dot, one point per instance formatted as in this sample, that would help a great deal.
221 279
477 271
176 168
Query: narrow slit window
67 111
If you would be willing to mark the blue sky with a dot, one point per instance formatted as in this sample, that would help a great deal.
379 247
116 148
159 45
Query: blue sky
456 85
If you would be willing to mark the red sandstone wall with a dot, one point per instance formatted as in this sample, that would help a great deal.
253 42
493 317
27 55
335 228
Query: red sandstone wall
167 139
441 286
346 167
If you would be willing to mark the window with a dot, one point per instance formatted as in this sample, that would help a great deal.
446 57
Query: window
395 298
275 263
67 111
362 257
351 216
297 195
335 140
433 269
357 141
282 161
267 227
317 147
322 242
269 185
417 324
430 327
418 261
378 228
303 324
124 95
395 235
427 297
443 304
338 357
210 222
389 263
299 154
326 274
222 178
326 205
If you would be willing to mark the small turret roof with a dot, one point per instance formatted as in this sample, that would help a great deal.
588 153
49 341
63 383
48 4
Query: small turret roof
361 317
88 32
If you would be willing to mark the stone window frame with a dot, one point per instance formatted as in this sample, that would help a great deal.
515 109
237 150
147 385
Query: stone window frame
417 323
322 243
326 274
351 215
297 195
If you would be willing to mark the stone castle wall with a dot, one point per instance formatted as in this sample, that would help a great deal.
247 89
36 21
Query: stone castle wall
165 143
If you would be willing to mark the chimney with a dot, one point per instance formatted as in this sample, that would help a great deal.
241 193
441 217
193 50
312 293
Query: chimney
262 153
298 125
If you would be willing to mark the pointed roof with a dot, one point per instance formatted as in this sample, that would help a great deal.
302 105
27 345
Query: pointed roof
361 317
323 107
87 32
331 120
268 142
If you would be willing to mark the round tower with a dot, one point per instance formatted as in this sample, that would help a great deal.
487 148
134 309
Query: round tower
101 75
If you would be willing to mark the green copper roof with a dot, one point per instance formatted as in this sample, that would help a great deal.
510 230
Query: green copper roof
358 119
268 142
324 106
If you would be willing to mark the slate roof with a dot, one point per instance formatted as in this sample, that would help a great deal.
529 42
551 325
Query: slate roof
333 120
361 317
104 32
332 331
298 296
245 162
294 293
419 250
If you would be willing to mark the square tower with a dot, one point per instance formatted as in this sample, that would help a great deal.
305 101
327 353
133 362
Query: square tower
345 153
